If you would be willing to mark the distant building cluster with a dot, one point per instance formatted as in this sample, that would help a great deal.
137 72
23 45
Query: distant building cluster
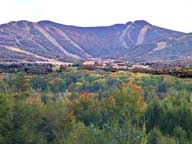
114 64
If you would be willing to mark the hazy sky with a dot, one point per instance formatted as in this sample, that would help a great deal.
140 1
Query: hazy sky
173 14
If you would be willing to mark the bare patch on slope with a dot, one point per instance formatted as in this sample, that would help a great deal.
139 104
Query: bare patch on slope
160 46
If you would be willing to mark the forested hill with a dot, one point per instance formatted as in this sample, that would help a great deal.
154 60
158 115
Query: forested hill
95 107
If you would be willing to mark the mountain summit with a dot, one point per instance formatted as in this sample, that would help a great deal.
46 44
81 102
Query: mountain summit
137 41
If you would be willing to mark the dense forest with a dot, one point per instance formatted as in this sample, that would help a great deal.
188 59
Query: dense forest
95 107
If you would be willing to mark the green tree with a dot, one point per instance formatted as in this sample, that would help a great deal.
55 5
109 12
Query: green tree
180 135
155 137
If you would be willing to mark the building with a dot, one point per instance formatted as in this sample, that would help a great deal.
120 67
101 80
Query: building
88 63
139 66
119 66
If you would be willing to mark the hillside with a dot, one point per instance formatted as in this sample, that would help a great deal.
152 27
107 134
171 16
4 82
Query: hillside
137 41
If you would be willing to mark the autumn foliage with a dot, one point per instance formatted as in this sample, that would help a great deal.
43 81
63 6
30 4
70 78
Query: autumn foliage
86 107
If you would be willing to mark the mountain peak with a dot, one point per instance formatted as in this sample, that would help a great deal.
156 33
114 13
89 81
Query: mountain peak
142 22
139 22
46 22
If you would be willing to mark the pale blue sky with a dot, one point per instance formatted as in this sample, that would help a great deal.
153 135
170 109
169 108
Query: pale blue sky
173 14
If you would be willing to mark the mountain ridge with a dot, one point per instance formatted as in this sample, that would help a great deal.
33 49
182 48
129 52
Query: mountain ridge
137 41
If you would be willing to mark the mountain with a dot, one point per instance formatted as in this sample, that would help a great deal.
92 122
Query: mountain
137 41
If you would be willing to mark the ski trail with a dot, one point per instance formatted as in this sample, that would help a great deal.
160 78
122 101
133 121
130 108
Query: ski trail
126 32
46 60
53 41
142 34
25 52
67 38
